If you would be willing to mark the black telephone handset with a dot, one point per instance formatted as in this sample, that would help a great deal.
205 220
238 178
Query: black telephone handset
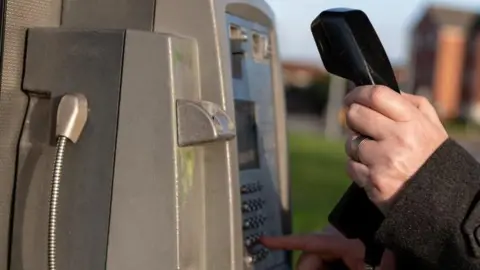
350 48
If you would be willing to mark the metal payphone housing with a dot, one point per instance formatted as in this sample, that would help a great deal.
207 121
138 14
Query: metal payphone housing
132 194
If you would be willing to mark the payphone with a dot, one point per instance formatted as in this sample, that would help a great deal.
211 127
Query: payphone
163 124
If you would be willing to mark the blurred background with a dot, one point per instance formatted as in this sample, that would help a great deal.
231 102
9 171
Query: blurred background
434 47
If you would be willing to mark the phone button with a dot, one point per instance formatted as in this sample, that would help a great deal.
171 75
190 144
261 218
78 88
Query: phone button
254 222
251 188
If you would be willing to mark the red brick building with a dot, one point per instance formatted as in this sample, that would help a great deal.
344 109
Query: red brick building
470 97
441 67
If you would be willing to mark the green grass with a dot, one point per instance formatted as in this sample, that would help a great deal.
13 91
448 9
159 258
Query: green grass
318 176
317 169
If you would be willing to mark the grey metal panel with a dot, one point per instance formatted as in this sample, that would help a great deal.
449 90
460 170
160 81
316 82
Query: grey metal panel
157 184
224 249
143 229
116 14
20 14
65 61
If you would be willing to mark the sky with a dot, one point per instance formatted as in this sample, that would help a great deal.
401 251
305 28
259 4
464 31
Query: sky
392 20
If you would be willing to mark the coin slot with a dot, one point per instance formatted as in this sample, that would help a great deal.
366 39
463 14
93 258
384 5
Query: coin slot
237 33
260 46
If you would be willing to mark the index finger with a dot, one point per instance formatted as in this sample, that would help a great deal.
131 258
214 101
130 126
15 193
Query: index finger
329 244
383 100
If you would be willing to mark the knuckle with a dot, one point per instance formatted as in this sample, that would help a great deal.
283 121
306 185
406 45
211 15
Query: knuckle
376 94
423 101
424 104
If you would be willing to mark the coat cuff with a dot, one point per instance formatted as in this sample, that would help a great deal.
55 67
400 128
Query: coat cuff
426 220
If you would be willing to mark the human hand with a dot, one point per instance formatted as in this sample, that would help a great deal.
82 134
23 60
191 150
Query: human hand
320 249
403 130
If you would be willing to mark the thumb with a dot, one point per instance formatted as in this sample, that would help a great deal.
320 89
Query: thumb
424 106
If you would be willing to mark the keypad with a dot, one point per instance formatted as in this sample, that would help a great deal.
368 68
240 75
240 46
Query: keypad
252 239
258 256
251 188
253 205
254 222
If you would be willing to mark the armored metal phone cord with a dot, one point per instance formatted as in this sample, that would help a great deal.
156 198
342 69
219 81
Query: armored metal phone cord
71 118
55 189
